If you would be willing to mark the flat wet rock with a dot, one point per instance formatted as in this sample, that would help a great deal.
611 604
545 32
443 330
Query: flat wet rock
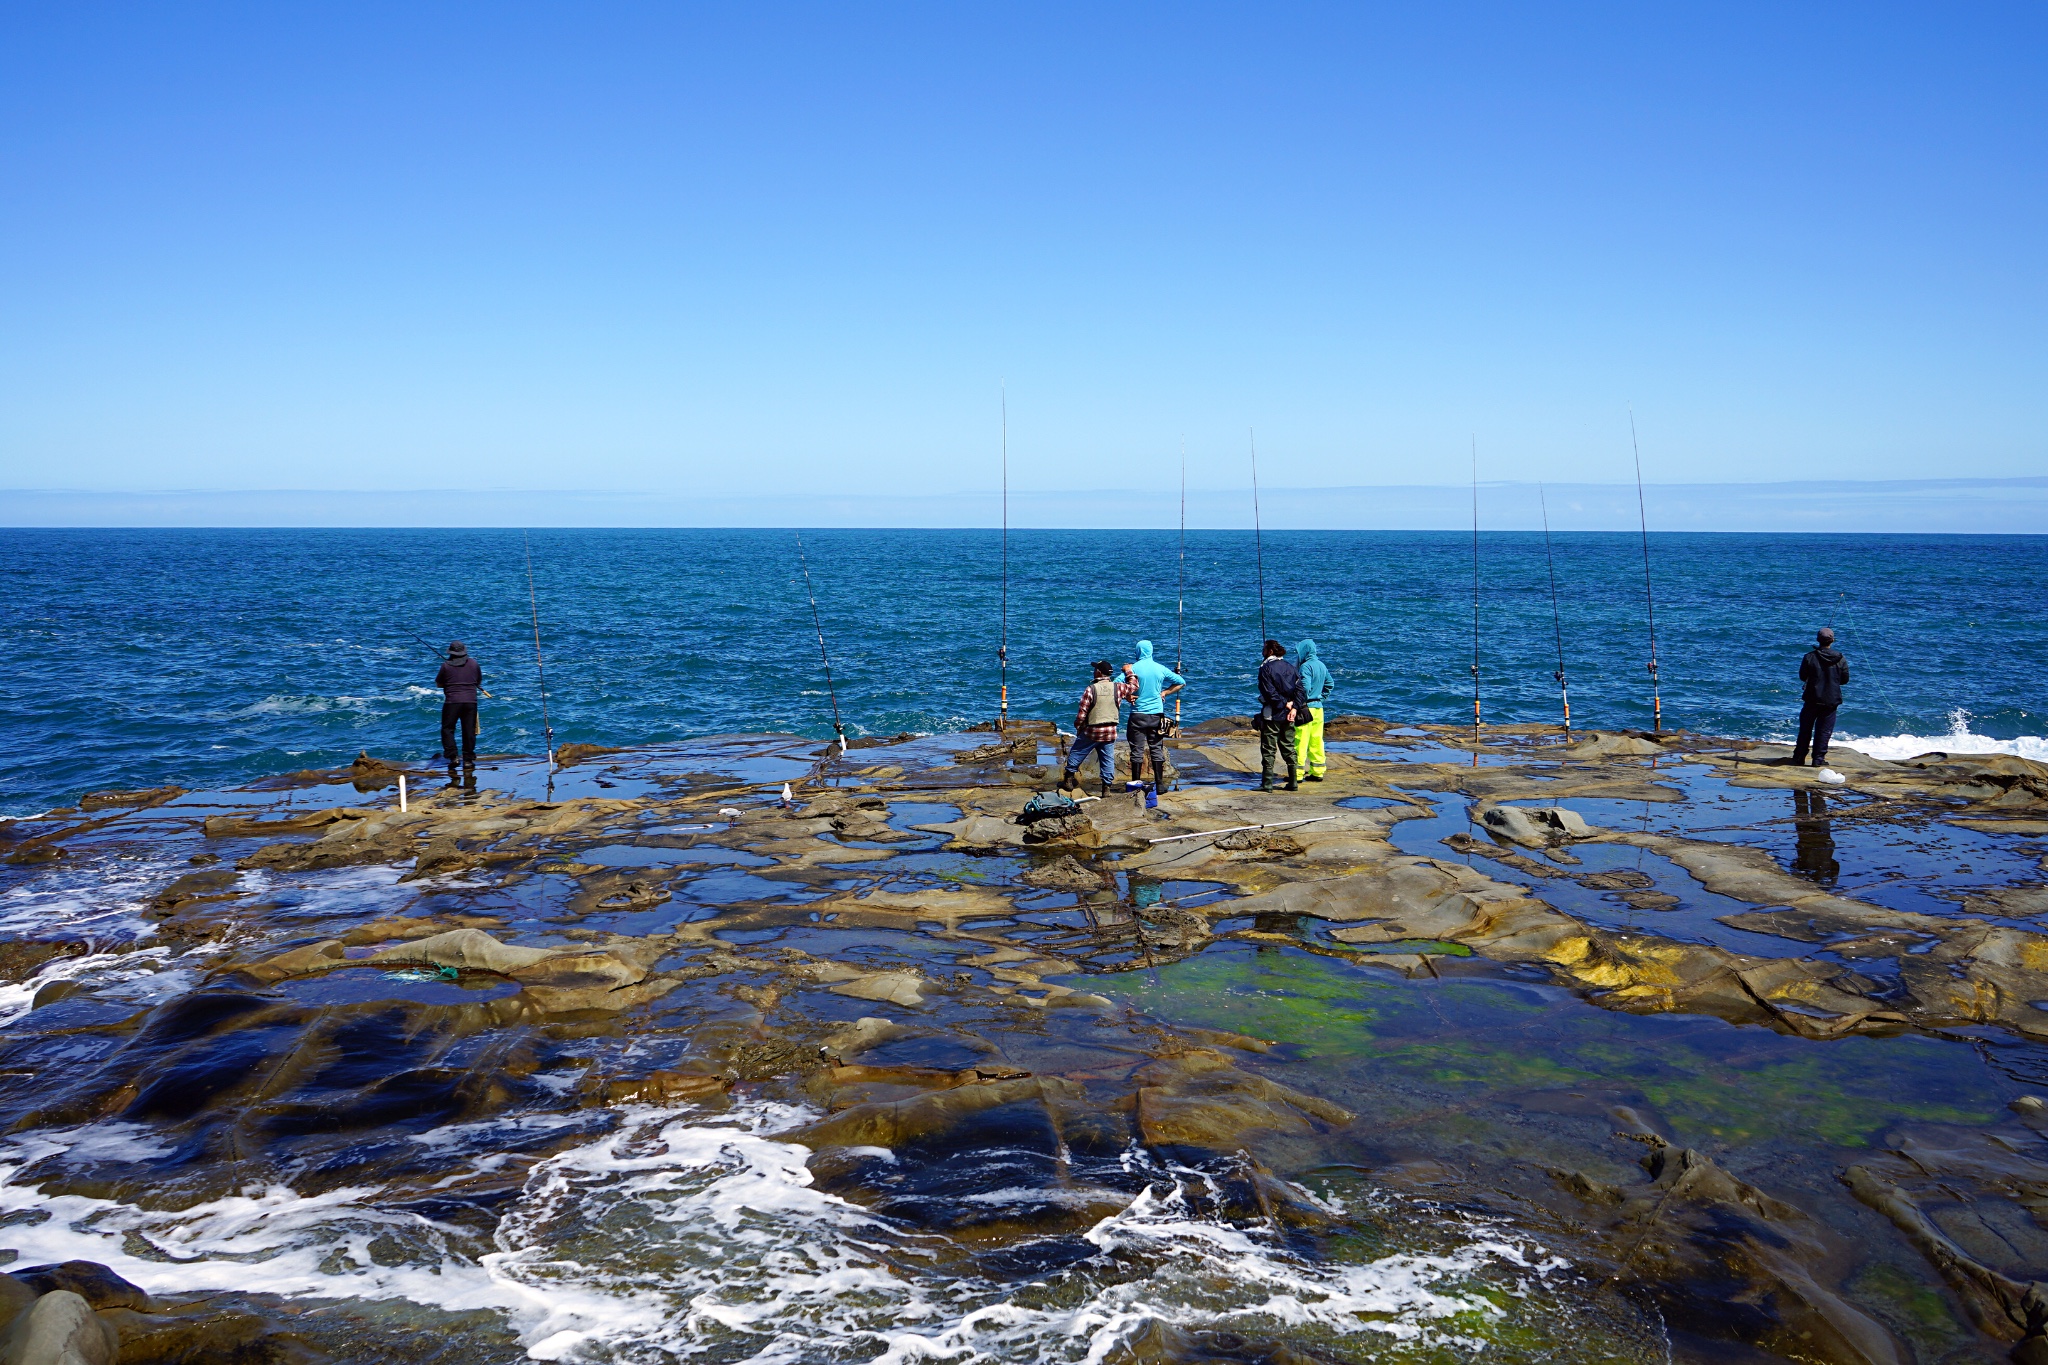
1635 1048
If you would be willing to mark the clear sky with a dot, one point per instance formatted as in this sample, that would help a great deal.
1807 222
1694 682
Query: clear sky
743 249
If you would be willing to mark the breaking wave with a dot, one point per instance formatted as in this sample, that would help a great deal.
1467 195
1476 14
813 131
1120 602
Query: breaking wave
686 1234
1958 740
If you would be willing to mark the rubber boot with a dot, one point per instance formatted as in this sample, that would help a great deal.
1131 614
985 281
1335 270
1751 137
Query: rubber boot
1070 783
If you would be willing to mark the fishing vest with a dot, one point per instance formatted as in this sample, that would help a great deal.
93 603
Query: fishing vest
1102 702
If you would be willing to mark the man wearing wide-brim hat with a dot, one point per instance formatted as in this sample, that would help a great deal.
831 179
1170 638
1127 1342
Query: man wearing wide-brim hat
460 679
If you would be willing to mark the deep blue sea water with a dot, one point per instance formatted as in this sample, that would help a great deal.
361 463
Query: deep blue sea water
135 658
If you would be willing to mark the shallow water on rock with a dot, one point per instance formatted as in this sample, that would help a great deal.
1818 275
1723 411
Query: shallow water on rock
1167 1131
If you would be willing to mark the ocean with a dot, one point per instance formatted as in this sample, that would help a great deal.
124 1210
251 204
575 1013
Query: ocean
211 657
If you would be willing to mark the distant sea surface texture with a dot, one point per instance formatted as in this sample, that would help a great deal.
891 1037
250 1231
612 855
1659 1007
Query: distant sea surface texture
205 658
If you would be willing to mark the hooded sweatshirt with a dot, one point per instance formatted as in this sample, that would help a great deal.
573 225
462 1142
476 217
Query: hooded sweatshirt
1152 676
459 680
1823 670
1315 678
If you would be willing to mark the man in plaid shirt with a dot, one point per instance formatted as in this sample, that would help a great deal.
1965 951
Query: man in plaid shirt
1095 726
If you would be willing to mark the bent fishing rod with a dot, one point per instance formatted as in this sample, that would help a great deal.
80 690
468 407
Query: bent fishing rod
539 669
438 655
1649 599
838 730
1564 690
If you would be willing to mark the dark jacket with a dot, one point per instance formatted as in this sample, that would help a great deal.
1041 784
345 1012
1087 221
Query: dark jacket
459 679
1823 670
1279 684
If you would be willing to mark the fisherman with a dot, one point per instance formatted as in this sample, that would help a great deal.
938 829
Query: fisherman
1317 684
1281 702
1095 726
1148 714
459 679
1824 670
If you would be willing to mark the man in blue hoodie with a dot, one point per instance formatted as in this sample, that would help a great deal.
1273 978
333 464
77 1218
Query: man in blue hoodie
1308 735
1148 712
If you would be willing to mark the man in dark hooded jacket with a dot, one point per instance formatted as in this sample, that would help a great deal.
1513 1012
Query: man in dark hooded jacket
1282 702
459 679
1824 670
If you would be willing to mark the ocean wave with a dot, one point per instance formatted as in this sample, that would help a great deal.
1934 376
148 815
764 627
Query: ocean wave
755 1264
1958 740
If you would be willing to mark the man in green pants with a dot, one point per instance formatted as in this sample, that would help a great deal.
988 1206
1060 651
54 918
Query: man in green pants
1308 735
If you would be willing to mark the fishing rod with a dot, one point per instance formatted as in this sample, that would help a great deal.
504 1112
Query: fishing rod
1475 597
540 672
1002 650
1564 690
438 655
1649 599
1258 536
838 730
1180 611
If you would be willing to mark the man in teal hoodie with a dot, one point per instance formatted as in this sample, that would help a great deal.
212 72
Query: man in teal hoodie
1148 711
1308 738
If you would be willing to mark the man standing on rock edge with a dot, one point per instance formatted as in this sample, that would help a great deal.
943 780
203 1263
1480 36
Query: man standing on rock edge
1281 701
1824 670
459 679
1148 715
1316 685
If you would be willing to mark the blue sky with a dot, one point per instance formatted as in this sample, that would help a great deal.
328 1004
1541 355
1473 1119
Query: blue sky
744 250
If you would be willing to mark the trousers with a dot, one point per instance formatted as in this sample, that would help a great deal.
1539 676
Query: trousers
1105 757
1816 727
1147 734
1308 744
465 713
1276 741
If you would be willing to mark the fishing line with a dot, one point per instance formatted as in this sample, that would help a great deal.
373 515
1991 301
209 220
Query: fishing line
539 670
838 730
1649 599
1002 650
1258 537
1564 690
1475 597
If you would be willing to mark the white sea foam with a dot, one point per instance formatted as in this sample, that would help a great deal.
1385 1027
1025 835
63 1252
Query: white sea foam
101 901
141 973
1958 740
685 1235
279 704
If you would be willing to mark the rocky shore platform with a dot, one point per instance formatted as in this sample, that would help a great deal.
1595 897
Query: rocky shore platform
1506 1047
